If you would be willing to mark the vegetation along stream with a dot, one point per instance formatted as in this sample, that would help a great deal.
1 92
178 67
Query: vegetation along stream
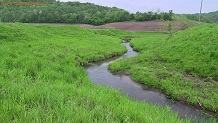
99 74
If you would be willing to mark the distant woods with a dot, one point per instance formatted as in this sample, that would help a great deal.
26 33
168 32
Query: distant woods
211 17
195 17
75 13
146 16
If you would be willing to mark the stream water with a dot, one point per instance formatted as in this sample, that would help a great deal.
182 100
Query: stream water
99 74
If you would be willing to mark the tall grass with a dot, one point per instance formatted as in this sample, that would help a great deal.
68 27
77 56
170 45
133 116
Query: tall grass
185 66
42 80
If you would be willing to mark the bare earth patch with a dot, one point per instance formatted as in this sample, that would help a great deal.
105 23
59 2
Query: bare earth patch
130 26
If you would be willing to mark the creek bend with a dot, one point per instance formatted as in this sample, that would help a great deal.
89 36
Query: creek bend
100 75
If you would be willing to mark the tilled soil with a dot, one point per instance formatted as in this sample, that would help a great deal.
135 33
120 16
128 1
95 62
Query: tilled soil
133 26
143 26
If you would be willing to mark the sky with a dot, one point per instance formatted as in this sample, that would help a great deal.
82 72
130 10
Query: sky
178 6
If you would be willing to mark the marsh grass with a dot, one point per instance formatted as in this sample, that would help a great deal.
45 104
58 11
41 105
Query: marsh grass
41 79
184 66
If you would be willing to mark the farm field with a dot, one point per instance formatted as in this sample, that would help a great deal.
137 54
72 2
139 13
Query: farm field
42 78
183 66
154 26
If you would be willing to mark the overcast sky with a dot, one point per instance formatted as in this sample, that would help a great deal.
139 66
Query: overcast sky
178 6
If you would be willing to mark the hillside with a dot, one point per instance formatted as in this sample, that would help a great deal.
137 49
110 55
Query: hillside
184 66
212 15
195 17
74 13
42 78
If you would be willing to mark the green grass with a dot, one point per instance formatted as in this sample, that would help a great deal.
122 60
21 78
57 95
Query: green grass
185 66
42 80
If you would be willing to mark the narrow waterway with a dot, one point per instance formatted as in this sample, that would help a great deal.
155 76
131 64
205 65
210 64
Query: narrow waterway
99 74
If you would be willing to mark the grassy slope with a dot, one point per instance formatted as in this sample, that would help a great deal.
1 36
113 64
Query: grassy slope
185 66
40 80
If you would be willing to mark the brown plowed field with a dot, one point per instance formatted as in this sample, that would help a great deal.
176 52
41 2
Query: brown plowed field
131 26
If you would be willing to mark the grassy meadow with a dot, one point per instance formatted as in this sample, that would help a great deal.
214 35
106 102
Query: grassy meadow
42 78
184 66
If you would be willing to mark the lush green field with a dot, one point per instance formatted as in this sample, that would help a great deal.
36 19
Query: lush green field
42 80
184 66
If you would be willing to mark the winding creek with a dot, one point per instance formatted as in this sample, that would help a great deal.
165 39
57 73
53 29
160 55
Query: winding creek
99 74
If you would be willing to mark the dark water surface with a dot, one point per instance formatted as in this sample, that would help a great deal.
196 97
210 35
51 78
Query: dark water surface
99 74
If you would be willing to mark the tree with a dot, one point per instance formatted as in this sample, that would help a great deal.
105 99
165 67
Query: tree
169 27
73 12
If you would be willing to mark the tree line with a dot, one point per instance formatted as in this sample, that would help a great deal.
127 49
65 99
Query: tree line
196 18
212 15
74 12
